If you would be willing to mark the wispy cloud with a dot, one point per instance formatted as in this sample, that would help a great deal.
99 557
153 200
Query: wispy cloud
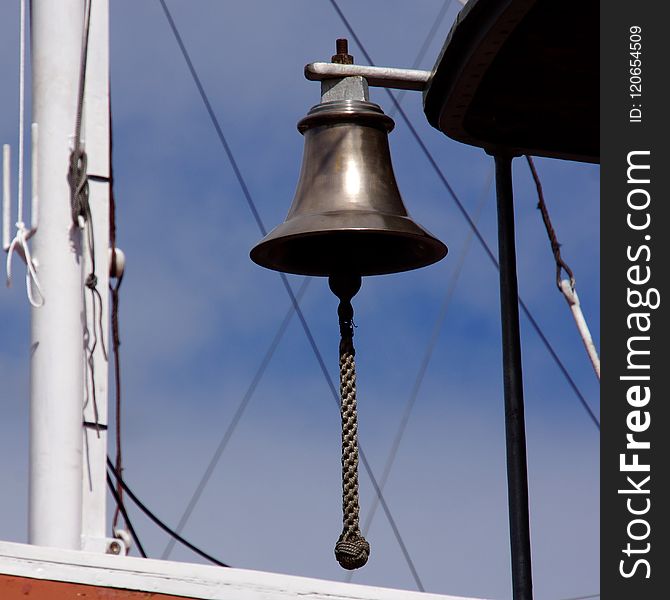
197 316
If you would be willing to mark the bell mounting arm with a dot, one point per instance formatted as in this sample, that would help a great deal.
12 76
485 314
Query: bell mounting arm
342 79
386 77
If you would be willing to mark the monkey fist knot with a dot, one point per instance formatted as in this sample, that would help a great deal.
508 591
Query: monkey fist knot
352 553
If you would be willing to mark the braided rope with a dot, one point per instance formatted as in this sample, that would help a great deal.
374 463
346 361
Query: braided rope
352 550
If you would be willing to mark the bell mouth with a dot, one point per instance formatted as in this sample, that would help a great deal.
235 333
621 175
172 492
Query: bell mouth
378 244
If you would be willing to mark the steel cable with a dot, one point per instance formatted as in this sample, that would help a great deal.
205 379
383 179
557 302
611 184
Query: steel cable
423 367
122 509
284 279
234 422
157 521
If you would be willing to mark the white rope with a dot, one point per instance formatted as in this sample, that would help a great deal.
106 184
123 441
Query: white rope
20 242
20 245
22 107
570 293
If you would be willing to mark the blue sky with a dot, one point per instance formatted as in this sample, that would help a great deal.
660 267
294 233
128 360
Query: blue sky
198 316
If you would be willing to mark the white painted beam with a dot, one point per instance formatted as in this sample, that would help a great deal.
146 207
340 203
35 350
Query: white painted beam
184 579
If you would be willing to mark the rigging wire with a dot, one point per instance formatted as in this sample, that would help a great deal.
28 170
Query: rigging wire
116 342
423 367
438 325
432 341
117 274
237 416
120 507
262 228
400 96
157 521
214 120
81 218
468 218
285 282
362 455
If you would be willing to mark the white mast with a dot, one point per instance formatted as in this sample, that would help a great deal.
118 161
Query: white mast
57 333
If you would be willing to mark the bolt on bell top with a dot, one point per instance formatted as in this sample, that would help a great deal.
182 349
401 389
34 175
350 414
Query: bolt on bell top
347 215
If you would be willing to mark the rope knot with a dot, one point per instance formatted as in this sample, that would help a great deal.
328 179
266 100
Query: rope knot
78 180
20 245
91 281
352 551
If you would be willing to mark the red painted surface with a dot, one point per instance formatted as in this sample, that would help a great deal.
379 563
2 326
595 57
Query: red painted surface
24 588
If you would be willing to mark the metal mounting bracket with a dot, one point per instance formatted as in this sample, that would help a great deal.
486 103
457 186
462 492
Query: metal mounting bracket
387 77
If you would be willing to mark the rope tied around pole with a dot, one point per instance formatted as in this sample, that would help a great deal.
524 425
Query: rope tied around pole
78 180
351 550
77 174
80 212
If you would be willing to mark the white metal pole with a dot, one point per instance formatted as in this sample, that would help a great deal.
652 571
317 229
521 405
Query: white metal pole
57 357
96 135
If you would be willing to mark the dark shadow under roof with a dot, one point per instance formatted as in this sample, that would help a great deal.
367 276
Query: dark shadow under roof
521 75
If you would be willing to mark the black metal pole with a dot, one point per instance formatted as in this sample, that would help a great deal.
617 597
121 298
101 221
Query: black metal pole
517 473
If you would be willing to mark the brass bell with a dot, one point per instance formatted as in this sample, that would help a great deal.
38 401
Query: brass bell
347 215
347 220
